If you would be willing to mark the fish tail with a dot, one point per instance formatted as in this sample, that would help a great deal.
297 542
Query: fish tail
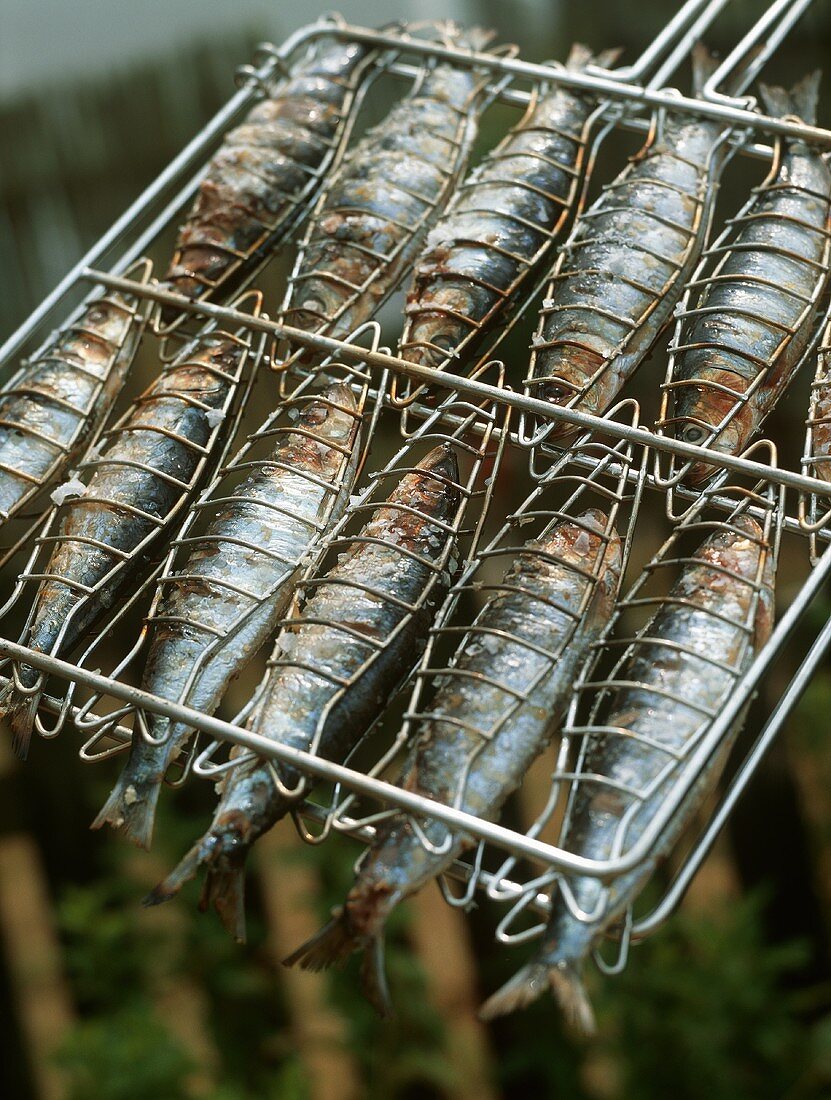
224 889
184 871
20 712
800 101
704 64
562 979
331 946
580 56
131 807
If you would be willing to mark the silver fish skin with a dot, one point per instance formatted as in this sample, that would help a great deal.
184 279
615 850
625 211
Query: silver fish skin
757 318
701 640
263 168
227 596
387 192
52 406
500 218
353 678
481 736
145 465
626 265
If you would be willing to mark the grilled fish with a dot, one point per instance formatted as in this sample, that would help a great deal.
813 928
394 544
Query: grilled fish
623 270
738 345
820 415
52 406
144 472
499 222
493 713
265 168
369 223
219 605
335 667
676 678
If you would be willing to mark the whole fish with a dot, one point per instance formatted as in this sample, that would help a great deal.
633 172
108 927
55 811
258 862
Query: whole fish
143 473
390 188
220 603
500 221
494 711
335 667
624 268
738 345
53 405
265 168
676 679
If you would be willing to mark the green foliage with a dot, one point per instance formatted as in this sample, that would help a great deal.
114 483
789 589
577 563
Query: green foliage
125 1055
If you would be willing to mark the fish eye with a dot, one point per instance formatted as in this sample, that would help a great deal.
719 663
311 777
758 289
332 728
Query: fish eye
693 434
312 305
442 341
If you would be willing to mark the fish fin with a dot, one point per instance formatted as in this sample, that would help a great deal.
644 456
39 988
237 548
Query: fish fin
20 712
532 981
331 946
580 56
131 807
374 978
224 888
183 872
800 101
704 64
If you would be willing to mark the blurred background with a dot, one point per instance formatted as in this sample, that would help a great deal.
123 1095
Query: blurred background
102 999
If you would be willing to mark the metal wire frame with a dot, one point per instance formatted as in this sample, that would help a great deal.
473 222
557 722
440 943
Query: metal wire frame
594 473
471 388
709 274
244 264
53 353
94 599
385 270
256 455
672 785
479 454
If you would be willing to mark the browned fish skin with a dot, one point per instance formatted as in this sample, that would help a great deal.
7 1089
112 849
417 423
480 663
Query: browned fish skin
134 487
336 665
625 266
264 168
500 219
52 406
676 679
746 331
390 188
820 415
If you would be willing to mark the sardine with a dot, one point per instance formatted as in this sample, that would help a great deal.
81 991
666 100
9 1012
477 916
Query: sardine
265 169
746 331
500 221
335 666
624 268
390 188
55 403
495 710
121 504
675 680
219 604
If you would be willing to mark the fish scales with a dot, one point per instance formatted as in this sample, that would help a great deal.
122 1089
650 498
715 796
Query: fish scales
144 469
494 711
624 268
675 679
497 224
265 167
385 592
387 192
759 311
54 404
202 630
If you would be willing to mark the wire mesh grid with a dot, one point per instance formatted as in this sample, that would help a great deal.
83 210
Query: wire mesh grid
616 452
